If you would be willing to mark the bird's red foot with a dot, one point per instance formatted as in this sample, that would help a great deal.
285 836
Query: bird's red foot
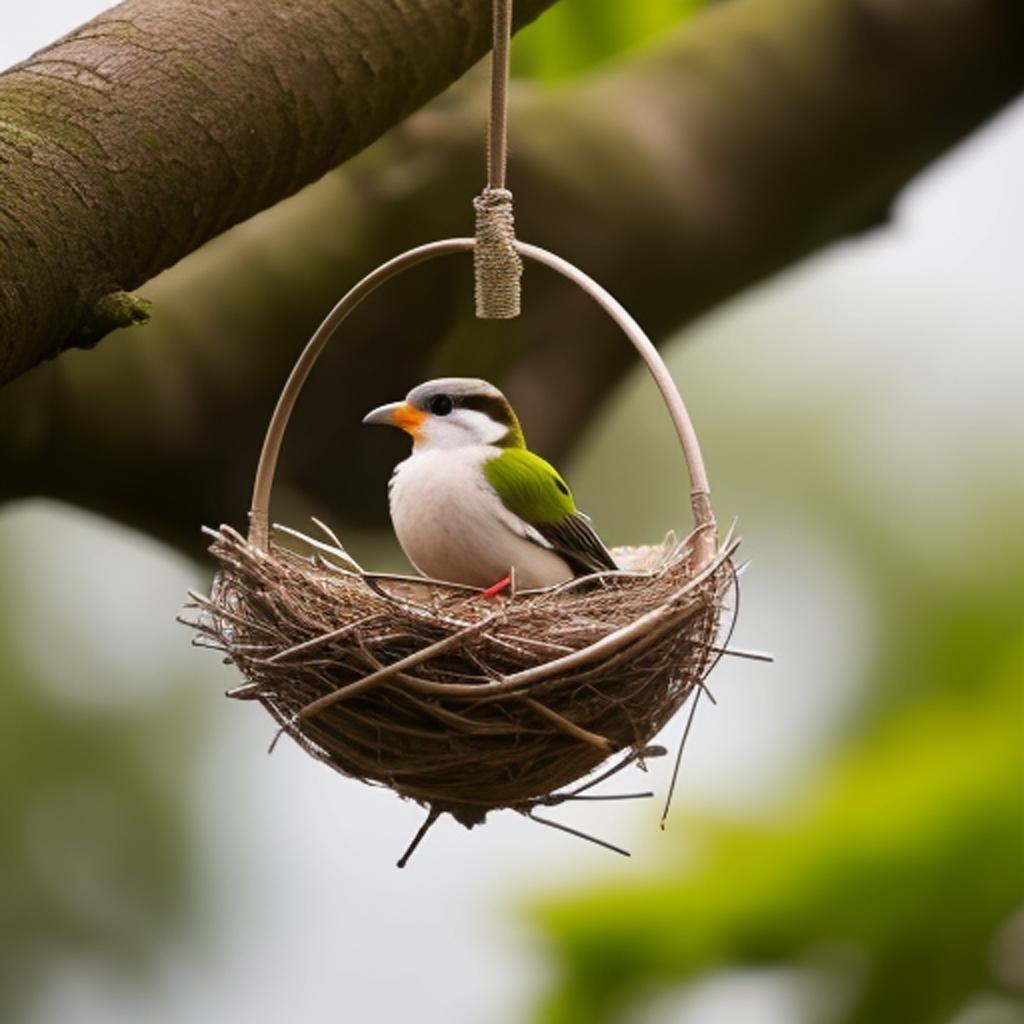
493 591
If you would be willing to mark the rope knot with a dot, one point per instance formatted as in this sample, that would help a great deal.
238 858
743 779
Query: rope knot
496 264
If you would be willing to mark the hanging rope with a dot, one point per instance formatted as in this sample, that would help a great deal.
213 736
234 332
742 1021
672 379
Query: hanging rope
496 264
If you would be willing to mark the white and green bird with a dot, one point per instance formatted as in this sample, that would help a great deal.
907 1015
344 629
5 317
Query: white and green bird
473 504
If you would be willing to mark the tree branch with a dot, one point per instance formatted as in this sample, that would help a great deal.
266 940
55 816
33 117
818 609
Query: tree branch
130 142
758 133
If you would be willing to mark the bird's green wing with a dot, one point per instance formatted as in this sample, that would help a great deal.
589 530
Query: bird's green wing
532 490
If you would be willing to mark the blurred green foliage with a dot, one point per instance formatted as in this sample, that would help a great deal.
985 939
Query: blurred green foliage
909 857
94 835
574 35
890 877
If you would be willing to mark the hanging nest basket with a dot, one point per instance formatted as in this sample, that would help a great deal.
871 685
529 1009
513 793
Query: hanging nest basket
462 703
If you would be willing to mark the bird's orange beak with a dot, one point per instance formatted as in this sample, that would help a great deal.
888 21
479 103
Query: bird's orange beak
398 414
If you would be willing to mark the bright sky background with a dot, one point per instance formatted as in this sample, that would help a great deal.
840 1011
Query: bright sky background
929 314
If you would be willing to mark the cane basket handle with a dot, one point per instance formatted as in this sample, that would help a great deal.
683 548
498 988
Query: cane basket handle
706 539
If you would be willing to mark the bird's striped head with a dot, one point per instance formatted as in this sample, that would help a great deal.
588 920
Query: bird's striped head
453 412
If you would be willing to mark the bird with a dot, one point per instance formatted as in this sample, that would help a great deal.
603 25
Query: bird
472 504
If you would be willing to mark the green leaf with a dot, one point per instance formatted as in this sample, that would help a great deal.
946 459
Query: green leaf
575 35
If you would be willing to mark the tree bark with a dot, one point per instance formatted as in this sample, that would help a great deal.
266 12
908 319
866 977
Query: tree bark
128 143
755 135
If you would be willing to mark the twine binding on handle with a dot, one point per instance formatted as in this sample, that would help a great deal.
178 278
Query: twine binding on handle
497 265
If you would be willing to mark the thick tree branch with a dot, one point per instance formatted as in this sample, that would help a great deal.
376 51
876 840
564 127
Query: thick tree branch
759 133
133 140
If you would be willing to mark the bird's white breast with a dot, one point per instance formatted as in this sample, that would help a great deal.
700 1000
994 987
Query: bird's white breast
453 526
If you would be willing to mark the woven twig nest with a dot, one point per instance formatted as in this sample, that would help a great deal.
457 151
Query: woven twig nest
464 703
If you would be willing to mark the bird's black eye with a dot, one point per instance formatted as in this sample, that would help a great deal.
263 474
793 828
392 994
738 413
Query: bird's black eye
441 405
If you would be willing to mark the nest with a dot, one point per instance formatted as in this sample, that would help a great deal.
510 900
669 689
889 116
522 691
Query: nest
462 703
